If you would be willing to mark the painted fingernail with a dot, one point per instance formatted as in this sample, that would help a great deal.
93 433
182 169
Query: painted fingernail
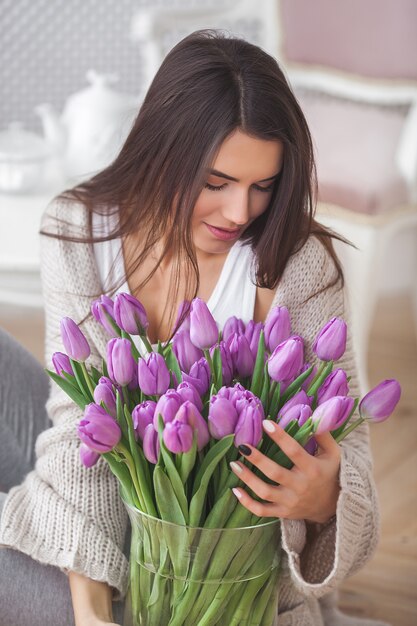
245 450
268 425
236 467
237 493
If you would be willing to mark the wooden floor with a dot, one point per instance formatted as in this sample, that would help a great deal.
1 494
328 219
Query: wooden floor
387 587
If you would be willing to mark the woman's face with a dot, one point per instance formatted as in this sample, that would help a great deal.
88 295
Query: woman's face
238 189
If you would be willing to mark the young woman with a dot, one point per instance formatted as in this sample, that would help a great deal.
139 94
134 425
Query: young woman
212 195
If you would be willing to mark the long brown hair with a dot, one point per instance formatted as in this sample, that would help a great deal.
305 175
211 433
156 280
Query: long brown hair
209 85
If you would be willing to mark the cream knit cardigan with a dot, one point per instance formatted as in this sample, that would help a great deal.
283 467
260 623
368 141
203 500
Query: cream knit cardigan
72 517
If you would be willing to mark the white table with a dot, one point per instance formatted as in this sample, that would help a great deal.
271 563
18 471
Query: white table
20 217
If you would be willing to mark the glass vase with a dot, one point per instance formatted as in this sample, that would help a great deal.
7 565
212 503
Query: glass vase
185 576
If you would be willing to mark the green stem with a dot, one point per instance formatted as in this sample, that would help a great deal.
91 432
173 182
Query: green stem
348 430
132 470
87 378
324 370
210 362
147 343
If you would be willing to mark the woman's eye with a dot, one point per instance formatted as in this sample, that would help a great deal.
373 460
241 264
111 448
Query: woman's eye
265 189
213 187
257 187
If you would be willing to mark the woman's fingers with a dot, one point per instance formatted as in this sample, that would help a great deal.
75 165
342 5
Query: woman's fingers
288 445
261 509
268 467
327 444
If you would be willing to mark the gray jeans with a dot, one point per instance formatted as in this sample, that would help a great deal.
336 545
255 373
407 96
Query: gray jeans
31 594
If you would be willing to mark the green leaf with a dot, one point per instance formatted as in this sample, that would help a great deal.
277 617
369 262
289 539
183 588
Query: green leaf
141 465
120 416
188 460
104 368
265 390
257 376
172 363
274 403
78 373
95 375
204 474
295 386
166 500
71 391
172 471
119 469
324 371
217 367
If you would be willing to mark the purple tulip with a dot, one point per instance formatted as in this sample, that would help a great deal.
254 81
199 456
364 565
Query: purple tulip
226 359
185 351
233 325
203 328
336 384
287 359
142 415
98 430
153 375
189 414
103 311
188 392
199 376
330 343
130 314
151 444
252 333
104 393
75 344
222 417
298 412
120 362
311 446
277 327
184 308
88 457
380 402
62 363
249 425
299 398
332 413
242 357
167 406
178 436
234 394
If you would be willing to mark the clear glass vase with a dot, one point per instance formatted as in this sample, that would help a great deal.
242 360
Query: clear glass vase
185 576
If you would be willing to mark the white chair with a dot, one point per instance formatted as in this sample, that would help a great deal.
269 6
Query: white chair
354 70
157 29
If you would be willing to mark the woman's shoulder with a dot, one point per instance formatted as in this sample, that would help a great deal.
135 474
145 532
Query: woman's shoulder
65 216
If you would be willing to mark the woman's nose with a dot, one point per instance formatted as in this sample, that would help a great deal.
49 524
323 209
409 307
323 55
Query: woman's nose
236 211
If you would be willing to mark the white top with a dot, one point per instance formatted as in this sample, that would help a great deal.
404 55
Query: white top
234 293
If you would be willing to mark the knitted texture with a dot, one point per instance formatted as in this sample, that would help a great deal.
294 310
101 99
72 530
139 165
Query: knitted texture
72 517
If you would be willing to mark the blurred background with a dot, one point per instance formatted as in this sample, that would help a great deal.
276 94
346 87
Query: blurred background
73 76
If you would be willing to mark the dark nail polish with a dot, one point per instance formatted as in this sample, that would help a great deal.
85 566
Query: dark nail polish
245 450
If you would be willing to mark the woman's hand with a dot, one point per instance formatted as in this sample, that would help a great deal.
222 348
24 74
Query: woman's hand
309 490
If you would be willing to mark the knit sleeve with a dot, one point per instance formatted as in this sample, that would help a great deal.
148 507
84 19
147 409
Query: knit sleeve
321 556
65 514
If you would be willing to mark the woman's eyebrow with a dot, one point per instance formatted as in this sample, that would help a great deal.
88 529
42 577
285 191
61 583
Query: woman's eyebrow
222 175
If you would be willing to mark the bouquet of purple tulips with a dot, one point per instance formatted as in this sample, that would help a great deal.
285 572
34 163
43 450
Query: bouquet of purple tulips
169 419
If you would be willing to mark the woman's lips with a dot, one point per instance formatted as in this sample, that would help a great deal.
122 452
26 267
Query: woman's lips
224 235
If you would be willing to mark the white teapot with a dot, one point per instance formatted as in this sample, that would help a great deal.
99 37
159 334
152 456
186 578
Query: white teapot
93 127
